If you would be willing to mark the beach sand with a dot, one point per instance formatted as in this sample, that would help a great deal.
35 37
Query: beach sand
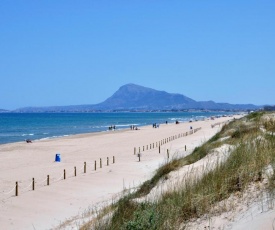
48 206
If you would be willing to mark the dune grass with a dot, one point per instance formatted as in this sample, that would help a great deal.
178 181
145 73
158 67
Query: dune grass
253 152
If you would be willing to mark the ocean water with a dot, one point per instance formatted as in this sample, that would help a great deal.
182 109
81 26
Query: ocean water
15 127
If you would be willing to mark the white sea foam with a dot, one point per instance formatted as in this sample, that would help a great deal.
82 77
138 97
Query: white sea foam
180 119
126 125
29 134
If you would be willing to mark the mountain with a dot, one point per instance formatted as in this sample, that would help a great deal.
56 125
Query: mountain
135 97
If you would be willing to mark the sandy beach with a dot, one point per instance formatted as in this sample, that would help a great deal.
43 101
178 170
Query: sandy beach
48 206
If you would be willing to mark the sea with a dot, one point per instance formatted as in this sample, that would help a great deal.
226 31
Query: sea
17 127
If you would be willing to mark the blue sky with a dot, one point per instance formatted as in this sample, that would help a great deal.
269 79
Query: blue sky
68 52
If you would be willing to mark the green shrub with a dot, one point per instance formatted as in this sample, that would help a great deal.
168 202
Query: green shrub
255 115
198 195
145 217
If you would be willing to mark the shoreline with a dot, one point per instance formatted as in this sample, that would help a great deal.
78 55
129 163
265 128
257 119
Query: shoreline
73 124
79 135
66 198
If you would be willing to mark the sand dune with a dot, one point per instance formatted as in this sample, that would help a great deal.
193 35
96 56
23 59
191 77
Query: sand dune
48 206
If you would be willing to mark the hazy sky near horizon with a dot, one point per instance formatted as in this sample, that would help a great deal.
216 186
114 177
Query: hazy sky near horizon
80 52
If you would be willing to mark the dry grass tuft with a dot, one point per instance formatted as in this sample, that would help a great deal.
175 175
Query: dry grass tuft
253 152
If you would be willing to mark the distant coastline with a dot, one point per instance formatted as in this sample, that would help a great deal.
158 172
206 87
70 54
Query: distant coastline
129 111
136 98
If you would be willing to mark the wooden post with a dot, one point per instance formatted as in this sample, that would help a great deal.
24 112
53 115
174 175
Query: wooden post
48 180
139 149
64 174
168 153
95 165
185 148
16 188
135 151
33 184
159 149
85 167
147 147
139 157
260 176
153 145
238 184
100 163
107 161
143 148
75 170
113 159
150 146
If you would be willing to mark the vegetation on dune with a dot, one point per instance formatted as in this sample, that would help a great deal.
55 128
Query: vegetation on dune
253 141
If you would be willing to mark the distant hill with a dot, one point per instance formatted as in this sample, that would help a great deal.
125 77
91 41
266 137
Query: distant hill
269 108
135 97
4 111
